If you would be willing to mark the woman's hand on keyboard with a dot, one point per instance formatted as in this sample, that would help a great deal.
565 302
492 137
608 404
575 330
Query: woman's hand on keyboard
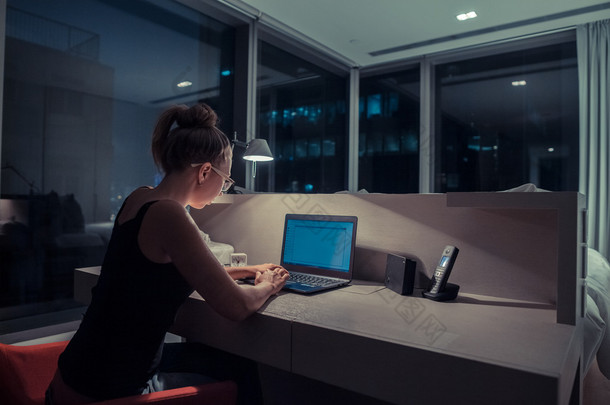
267 266
274 274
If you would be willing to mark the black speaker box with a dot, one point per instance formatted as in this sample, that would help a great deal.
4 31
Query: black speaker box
400 274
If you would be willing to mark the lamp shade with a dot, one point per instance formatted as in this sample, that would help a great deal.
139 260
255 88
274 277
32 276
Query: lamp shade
258 151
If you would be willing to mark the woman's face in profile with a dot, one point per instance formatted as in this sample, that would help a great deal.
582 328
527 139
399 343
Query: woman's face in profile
217 181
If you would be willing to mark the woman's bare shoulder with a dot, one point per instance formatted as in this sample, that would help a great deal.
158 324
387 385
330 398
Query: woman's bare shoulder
170 212
141 196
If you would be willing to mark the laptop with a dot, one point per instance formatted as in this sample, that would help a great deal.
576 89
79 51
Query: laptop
318 251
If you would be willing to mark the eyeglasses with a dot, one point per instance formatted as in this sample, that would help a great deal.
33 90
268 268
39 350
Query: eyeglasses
228 181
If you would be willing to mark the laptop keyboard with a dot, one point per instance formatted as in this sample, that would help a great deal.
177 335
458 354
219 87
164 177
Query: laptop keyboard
310 280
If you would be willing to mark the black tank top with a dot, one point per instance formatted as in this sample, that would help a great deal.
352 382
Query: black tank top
118 345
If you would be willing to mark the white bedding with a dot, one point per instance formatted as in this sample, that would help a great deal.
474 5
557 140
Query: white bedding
597 321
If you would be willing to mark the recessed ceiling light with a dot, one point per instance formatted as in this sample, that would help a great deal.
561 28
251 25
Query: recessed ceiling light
519 83
185 83
466 16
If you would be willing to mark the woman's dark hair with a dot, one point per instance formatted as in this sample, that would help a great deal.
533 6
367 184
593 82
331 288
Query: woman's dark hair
185 135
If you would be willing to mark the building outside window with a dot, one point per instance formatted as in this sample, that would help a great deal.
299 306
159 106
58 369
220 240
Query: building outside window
388 155
84 82
508 119
302 112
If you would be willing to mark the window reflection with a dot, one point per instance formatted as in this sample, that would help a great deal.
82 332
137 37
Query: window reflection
389 132
80 102
509 119
302 113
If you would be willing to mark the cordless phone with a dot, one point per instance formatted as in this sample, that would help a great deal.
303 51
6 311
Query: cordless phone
439 289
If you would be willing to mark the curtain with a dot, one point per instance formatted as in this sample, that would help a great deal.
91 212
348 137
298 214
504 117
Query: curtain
593 43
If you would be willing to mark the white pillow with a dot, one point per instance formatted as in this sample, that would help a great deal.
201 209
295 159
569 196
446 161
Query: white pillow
525 188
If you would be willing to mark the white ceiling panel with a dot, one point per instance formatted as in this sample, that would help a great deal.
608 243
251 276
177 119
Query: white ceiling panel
369 32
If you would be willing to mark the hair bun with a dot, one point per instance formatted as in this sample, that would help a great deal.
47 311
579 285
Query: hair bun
184 135
198 116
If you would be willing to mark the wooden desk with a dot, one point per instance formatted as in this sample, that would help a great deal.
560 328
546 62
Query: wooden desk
404 350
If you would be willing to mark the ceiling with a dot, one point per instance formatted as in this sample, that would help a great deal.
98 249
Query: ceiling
369 32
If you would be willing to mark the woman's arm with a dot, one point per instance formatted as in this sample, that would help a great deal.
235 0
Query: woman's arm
250 271
169 232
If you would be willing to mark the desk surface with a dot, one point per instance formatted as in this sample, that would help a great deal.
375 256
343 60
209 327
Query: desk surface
401 349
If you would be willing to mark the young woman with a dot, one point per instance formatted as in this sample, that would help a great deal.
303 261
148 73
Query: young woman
156 257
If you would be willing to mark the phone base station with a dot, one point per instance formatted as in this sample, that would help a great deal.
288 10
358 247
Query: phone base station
449 293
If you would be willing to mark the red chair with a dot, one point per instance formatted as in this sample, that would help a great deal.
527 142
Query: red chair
26 371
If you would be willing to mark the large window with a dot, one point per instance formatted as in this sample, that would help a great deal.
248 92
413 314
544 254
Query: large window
84 83
388 155
508 119
302 113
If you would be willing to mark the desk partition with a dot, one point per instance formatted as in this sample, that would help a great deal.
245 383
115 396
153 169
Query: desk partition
523 246
513 335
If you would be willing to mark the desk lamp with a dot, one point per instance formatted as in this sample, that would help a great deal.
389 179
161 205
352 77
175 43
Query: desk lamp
257 150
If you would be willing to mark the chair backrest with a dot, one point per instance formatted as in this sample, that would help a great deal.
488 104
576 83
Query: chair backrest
26 371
